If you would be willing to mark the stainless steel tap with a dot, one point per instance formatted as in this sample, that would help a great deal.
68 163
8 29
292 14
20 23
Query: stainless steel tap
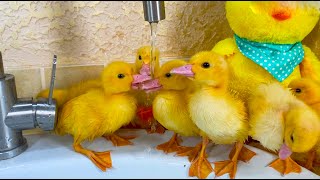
17 114
154 11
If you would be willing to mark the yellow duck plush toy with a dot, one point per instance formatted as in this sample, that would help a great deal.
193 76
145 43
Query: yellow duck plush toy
266 46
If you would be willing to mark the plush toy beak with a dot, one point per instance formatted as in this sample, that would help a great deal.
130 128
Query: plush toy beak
281 15
183 70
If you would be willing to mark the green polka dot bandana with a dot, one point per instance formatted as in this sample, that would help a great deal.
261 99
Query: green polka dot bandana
278 59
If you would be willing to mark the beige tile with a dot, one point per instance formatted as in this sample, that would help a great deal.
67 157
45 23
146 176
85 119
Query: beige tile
66 76
28 81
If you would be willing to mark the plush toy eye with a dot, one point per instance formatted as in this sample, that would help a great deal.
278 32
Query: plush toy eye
168 75
298 90
120 76
291 137
140 58
205 65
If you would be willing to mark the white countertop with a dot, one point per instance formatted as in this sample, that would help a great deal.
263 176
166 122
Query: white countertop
52 156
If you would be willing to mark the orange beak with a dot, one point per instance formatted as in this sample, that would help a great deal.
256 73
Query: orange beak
281 15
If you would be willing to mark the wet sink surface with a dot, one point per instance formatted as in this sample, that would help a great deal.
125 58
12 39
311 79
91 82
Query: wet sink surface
52 156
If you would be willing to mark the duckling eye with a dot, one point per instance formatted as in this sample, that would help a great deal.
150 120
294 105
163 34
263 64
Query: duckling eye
298 90
120 76
168 75
205 65
291 137
140 58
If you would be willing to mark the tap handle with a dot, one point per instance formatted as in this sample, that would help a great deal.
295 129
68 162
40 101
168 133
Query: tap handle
53 77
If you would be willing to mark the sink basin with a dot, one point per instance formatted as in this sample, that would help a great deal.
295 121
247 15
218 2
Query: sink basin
52 156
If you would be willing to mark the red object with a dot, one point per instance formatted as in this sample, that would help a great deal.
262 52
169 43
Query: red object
145 114
281 15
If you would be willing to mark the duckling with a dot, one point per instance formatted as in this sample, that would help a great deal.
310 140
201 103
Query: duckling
282 123
100 111
308 91
145 117
219 116
170 111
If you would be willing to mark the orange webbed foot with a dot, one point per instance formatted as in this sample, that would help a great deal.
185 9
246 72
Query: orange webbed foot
120 140
310 158
201 167
191 152
101 159
223 167
171 146
239 152
245 154
285 166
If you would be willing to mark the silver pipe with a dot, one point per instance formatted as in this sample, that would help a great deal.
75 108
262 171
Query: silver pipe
53 77
154 11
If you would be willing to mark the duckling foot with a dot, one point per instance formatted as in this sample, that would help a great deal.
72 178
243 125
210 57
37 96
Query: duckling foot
101 159
171 146
191 152
310 158
245 154
223 167
119 140
239 152
201 167
285 166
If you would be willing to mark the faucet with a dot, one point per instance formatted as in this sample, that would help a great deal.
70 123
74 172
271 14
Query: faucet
154 11
17 114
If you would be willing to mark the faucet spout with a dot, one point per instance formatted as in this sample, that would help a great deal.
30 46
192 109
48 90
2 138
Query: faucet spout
154 11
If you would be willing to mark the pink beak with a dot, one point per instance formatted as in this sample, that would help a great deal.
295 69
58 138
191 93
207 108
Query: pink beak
139 78
145 69
151 85
183 70
284 152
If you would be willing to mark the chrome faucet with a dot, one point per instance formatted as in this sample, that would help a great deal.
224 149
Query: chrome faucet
154 11
17 114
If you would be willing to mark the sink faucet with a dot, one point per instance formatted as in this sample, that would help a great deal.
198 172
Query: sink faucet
154 11
17 114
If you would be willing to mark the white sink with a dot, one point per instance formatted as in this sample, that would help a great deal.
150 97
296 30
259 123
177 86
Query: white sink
52 156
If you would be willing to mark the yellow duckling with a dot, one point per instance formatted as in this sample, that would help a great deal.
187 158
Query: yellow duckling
170 110
282 123
308 91
267 43
145 117
220 117
100 111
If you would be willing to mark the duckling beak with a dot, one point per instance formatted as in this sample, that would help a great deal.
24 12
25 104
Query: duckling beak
151 85
138 79
284 152
145 69
185 70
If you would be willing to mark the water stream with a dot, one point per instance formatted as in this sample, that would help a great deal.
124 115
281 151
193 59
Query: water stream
153 27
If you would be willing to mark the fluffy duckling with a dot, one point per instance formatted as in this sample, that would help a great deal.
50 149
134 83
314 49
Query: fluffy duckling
220 117
308 91
170 111
145 117
282 123
100 111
